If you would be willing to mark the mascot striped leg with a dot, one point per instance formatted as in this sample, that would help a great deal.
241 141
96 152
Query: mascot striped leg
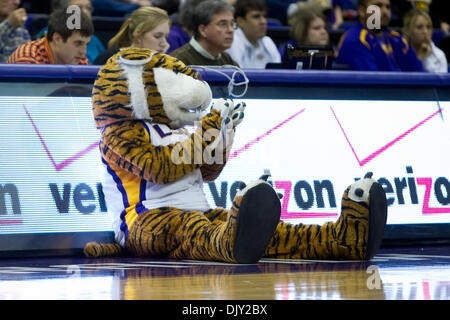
178 234
356 235
240 235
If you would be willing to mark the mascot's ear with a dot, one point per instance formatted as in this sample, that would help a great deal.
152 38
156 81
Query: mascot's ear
184 97
133 70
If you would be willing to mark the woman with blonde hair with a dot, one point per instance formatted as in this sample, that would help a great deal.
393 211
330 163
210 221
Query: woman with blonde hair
147 27
418 30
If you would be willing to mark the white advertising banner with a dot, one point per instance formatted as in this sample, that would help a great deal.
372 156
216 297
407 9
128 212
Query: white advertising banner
314 149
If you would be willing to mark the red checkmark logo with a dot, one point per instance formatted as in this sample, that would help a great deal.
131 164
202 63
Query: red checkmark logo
66 162
265 134
363 162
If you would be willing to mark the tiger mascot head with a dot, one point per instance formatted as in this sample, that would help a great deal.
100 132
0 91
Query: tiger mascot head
141 84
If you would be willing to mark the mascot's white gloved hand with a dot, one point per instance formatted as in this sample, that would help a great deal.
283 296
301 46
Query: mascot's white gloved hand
236 116
232 114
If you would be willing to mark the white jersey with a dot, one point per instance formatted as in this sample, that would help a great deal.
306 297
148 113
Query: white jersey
249 56
127 195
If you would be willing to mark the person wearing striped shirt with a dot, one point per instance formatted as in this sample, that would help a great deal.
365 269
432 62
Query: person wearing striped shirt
64 43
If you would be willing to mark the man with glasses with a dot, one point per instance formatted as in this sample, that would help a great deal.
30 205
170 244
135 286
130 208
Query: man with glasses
214 26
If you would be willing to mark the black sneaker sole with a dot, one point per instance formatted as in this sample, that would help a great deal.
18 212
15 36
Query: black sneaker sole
257 220
377 219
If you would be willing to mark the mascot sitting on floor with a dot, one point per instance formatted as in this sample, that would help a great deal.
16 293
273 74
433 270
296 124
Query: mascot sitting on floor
154 171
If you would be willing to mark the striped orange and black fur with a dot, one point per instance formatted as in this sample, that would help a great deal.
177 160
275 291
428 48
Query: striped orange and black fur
130 154
217 234
110 96
347 238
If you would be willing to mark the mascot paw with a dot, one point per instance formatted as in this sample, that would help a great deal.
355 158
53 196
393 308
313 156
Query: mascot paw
236 116
360 190
370 208
232 114
223 106
258 216
372 193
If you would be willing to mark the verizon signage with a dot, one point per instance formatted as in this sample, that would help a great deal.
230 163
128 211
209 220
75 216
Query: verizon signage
314 149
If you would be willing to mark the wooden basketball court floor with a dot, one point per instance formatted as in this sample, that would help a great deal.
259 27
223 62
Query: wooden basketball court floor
418 273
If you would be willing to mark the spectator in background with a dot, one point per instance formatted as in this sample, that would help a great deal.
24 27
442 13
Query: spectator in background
61 45
331 9
308 28
95 46
418 29
120 8
181 29
214 26
372 47
12 31
251 47
147 27
437 9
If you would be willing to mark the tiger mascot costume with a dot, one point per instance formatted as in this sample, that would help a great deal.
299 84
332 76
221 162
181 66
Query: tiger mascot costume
141 102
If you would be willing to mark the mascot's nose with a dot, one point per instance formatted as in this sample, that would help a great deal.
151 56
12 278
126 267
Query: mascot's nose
359 192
